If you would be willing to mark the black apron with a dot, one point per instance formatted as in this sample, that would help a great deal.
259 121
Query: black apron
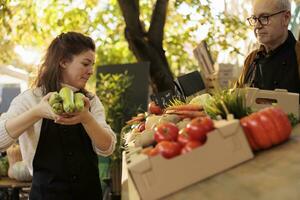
65 167
276 69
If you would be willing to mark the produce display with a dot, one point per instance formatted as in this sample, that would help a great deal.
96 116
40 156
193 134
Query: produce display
66 101
225 102
167 166
181 127
187 142
267 127
170 132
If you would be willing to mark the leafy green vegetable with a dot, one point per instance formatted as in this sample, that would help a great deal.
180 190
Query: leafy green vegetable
293 119
226 102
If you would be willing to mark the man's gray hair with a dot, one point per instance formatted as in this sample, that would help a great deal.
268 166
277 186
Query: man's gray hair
284 4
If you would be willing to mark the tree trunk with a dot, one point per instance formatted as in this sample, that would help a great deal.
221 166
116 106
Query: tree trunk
148 46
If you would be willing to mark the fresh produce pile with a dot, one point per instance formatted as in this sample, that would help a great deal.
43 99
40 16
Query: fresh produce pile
176 130
66 101
182 127
266 128
225 102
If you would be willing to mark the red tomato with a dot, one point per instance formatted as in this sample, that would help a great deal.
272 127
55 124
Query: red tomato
153 152
247 131
154 109
168 149
277 123
166 132
204 139
192 144
141 127
146 150
284 120
208 123
269 127
199 127
183 137
150 151
258 132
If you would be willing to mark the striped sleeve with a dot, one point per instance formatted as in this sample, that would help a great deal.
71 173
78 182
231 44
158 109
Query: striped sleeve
5 139
17 106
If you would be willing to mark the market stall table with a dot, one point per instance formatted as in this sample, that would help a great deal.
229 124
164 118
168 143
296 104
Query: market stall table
13 187
272 174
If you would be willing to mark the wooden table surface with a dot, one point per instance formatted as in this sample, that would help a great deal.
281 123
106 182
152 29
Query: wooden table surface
273 174
6 182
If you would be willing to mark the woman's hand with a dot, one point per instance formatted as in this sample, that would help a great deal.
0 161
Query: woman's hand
17 125
77 117
44 109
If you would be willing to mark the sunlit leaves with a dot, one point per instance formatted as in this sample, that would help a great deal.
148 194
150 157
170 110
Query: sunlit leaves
111 90
91 3
36 22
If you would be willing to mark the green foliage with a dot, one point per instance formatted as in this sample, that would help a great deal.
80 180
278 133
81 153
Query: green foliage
230 29
293 119
226 102
183 29
34 23
112 91
175 102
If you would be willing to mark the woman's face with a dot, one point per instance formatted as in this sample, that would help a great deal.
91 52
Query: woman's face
77 71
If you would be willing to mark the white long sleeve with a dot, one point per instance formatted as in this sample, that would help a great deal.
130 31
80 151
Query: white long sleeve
29 139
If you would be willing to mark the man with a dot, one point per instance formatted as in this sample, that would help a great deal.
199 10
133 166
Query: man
276 63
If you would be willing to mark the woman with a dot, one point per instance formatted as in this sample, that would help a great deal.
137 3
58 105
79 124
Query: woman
60 150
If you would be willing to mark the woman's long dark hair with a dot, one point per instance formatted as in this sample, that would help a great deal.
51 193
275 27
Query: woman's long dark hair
63 48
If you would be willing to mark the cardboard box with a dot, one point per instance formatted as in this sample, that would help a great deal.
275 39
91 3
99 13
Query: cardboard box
156 177
258 99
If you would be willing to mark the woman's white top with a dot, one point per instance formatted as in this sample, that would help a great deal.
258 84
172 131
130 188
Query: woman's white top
29 139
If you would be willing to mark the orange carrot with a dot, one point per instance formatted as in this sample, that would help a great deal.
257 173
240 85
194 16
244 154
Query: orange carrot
136 119
192 107
188 113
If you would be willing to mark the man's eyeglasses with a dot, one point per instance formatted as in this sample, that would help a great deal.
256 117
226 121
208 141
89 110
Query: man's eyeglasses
263 20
